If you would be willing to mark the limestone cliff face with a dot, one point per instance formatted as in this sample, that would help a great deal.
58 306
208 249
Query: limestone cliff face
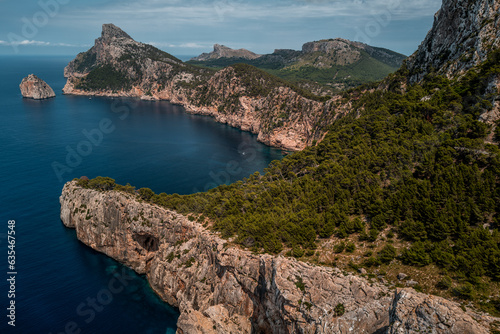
35 88
461 37
420 313
222 51
255 102
220 288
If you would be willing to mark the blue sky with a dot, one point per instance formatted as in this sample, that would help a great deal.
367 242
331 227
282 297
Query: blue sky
190 27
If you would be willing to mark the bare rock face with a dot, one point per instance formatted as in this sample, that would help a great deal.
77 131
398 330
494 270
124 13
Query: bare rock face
222 51
463 34
220 288
35 88
414 312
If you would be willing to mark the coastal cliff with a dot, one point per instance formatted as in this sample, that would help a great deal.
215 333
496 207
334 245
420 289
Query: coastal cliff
242 96
35 88
220 288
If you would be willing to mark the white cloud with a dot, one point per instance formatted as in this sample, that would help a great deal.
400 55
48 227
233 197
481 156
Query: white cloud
38 43
207 13
25 42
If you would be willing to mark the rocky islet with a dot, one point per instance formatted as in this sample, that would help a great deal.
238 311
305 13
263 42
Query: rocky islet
35 88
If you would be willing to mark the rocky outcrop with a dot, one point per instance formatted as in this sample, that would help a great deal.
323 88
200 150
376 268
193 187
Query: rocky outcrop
222 51
35 88
463 34
348 52
413 312
220 288
248 99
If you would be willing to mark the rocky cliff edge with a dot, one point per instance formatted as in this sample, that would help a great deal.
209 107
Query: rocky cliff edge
220 288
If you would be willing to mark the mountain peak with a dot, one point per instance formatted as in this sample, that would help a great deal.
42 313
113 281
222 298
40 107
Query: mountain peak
109 31
222 51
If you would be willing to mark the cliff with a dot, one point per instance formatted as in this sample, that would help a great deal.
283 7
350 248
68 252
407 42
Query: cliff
247 98
222 51
419 313
35 88
462 36
220 288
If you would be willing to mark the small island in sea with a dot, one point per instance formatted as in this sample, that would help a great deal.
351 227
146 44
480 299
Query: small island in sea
35 88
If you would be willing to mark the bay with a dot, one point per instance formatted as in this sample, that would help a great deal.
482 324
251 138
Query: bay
46 143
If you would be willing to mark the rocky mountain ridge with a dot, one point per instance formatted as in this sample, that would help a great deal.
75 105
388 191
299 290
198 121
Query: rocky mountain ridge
220 288
35 88
337 63
222 51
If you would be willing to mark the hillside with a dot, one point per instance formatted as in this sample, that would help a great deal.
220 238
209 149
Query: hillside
334 63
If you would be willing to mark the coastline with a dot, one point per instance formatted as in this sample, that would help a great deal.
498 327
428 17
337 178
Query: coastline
286 139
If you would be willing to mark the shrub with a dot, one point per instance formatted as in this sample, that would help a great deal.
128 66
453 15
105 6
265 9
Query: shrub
102 183
444 283
339 248
300 284
387 254
146 193
465 291
350 248
339 309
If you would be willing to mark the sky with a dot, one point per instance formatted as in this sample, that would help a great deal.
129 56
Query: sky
191 27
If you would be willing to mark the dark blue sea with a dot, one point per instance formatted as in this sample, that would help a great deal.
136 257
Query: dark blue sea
61 285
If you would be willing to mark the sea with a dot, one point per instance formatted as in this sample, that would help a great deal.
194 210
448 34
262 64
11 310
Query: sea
52 283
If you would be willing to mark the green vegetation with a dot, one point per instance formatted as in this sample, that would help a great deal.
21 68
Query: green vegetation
85 62
415 163
260 83
300 284
365 70
339 310
104 77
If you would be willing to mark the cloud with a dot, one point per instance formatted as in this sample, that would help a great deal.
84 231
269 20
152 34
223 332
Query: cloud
38 43
191 45
210 12
25 42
